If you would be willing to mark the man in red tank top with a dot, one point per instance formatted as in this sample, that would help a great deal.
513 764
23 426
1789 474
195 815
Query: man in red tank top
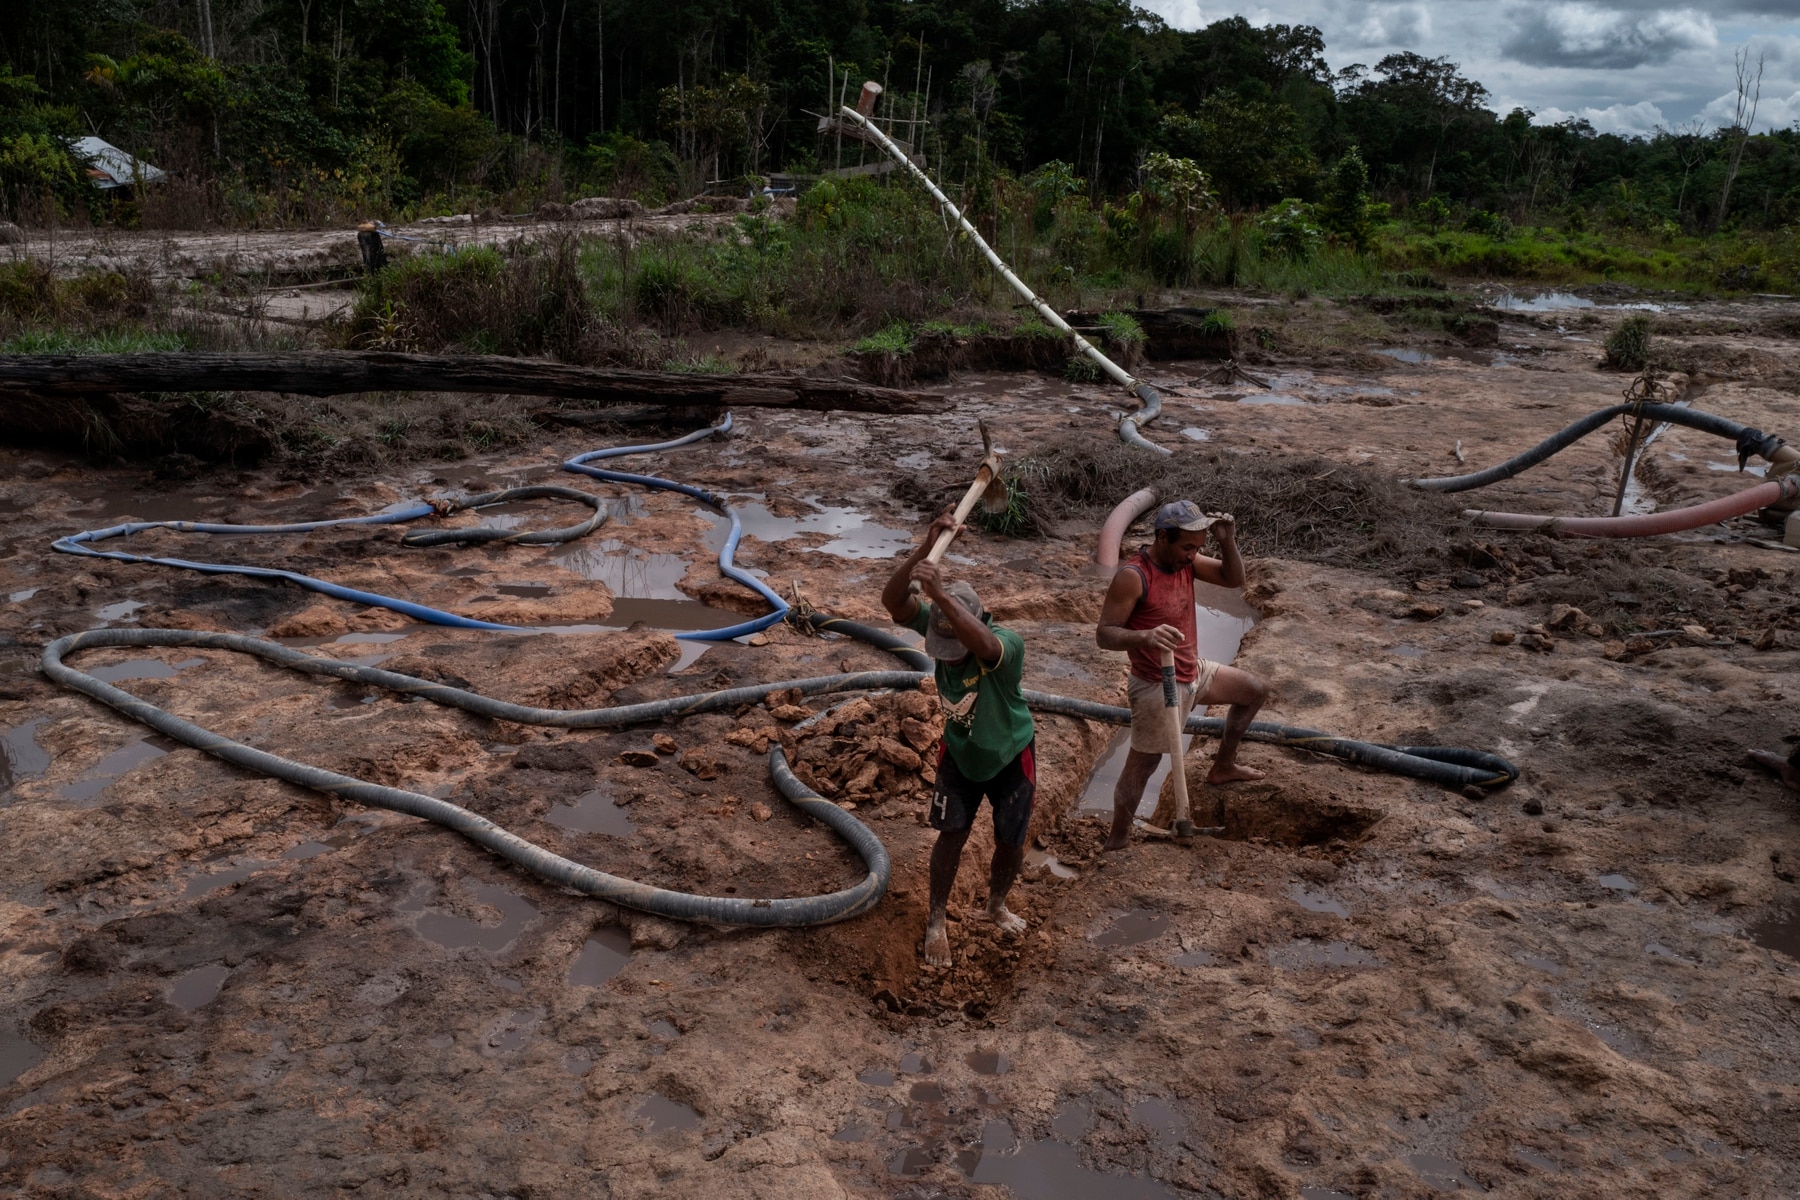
1150 608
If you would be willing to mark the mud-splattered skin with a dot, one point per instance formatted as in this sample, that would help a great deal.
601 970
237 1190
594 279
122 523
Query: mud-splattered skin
1366 987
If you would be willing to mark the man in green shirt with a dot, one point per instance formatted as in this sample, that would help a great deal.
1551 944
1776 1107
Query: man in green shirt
988 734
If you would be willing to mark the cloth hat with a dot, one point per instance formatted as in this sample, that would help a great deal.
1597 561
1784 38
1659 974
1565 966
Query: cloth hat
1182 514
941 641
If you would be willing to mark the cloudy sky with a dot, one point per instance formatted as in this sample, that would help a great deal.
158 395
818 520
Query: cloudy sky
1626 65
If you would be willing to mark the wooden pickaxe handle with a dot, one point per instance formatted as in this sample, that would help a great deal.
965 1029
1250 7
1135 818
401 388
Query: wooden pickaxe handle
990 469
1182 825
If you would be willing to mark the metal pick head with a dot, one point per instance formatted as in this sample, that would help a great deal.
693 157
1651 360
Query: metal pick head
987 439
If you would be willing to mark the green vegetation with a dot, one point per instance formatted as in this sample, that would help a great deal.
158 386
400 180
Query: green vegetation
1081 369
1121 329
1225 154
1628 346
109 341
895 339
1016 519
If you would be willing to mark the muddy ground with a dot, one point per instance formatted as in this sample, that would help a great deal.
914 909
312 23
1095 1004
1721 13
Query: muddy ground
1581 985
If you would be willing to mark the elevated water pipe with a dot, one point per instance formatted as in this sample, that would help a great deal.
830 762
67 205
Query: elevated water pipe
1129 424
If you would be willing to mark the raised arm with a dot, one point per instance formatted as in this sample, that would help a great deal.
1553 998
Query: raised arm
971 631
1228 569
1122 598
896 597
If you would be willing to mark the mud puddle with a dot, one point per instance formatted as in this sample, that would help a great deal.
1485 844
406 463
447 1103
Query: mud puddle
20 755
1048 1169
674 616
18 1054
142 668
1480 358
596 812
1444 1174
131 504
102 774
660 1114
198 987
1554 301
458 933
118 611
627 571
852 534
1134 928
1039 861
988 1062
606 952
1780 933
1319 902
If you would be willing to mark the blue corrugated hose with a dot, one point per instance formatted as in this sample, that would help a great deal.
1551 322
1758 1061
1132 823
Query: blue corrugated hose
83 543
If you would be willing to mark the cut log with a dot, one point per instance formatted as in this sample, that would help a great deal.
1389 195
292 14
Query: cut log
341 372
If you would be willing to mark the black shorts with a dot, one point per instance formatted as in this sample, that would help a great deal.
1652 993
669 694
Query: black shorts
956 799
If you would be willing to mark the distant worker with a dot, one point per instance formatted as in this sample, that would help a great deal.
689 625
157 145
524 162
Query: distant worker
988 734
1149 608
1785 769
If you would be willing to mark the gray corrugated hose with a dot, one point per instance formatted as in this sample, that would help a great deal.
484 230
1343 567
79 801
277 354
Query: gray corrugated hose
683 906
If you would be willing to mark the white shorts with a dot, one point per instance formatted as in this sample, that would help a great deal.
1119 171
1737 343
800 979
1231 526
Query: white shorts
1150 732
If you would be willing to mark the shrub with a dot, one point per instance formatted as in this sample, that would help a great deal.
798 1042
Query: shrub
1081 369
532 300
1290 229
1628 346
1121 329
895 339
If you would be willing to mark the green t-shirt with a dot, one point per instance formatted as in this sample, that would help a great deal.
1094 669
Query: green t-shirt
986 723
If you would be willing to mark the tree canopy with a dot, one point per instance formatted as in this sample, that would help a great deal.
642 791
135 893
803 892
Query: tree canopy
278 110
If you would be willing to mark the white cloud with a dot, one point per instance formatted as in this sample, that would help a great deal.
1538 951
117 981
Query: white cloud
1629 120
1773 112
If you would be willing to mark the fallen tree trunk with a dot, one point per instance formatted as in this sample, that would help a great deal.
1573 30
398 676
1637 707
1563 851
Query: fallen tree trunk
341 372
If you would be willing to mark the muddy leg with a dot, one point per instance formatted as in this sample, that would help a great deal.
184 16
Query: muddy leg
946 856
1245 693
1138 768
1001 873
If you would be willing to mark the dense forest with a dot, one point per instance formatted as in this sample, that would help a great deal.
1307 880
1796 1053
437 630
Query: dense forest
284 111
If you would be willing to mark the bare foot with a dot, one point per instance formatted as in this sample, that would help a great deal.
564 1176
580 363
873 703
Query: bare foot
1008 921
937 945
1236 773
1779 765
1118 841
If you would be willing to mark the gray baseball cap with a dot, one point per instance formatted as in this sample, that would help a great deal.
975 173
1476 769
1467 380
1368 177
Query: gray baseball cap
1182 514
941 641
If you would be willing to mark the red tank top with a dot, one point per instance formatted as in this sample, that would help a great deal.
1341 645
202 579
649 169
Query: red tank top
1168 600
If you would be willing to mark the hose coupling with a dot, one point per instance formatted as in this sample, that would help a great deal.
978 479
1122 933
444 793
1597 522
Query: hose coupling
1756 442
